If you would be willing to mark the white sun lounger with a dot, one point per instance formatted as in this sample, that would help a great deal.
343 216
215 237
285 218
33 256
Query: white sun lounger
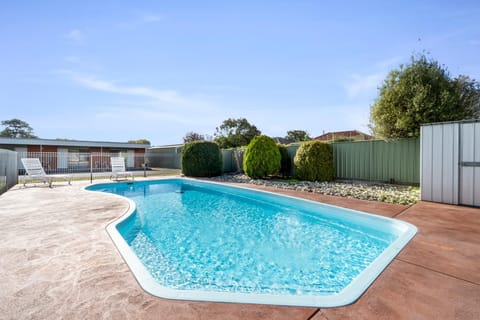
35 171
118 169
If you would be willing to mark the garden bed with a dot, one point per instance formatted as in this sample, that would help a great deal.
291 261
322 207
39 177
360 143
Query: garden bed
389 193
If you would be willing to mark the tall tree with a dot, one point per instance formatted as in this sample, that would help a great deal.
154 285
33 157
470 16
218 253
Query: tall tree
16 128
421 92
297 135
235 133
193 136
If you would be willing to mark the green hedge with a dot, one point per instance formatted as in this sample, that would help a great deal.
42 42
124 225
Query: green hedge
262 157
201 159
285 162
314 161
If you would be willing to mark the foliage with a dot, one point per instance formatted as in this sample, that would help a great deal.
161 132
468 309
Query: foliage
297 135
193 136
314 161
468 91
16 128
235 133
422 92
285 161
262 157
140 141
201 159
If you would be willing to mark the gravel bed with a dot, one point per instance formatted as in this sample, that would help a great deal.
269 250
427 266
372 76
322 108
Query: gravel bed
390 193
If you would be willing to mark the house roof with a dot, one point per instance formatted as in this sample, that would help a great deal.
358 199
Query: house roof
70 143
282 140
343 134
168 146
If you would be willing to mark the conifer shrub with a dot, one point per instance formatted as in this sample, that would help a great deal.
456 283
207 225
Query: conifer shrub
285 161
201 159
262 157
314 161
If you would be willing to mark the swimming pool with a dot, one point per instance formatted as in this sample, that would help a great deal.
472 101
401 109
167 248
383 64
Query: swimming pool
185 239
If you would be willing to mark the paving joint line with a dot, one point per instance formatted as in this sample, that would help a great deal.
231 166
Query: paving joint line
314 314
436 271
403 211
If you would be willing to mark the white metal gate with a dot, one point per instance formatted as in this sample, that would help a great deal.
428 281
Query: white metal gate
130 158
450 162
62 158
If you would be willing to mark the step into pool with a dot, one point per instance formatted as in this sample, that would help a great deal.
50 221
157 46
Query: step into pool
195 240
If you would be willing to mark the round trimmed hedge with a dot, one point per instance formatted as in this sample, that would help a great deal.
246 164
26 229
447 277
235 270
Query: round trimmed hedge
262 157
314 161
201 159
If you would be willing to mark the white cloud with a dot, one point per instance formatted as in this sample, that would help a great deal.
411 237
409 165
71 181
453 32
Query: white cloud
390 63
140 19
150 17
76 36
363 85
91 82
151 102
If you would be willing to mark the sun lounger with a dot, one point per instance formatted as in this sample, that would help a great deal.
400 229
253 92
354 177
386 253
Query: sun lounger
35 171
118 169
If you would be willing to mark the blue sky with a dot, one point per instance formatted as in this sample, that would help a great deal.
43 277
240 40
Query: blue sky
121 70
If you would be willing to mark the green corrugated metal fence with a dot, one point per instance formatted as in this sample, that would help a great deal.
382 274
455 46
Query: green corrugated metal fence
373 160
378 160
233 159
164 157
228 162
8 169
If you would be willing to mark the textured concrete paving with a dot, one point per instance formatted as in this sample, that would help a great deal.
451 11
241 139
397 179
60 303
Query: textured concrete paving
57 262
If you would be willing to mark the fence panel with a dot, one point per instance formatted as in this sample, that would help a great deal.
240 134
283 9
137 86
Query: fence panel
164 157
372 160
378 160
232 160
227 156
8 169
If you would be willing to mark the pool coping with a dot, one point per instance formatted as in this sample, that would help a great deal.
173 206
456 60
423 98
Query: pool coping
348 295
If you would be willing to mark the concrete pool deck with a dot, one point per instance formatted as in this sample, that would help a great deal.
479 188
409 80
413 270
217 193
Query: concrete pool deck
58 262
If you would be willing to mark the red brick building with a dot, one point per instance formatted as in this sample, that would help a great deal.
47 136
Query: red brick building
75 154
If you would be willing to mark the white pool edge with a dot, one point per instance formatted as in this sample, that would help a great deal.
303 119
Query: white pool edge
347 296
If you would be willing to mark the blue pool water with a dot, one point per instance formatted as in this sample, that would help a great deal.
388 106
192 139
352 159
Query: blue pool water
200 237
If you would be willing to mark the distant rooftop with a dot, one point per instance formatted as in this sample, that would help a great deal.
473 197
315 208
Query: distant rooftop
70 143
167 146
282 140
351 134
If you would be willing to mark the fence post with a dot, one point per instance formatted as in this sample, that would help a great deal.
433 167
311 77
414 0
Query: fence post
144 166
91 168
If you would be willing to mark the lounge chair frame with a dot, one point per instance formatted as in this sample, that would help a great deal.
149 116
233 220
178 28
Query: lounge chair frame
35 172
118 169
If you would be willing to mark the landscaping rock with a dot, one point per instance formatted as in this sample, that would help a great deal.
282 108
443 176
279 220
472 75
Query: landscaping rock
390 193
